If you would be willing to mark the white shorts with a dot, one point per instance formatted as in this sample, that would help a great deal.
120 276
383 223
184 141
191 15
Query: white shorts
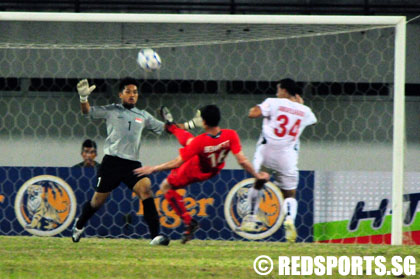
280 163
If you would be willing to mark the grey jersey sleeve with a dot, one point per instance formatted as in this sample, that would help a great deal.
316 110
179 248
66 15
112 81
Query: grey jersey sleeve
153 124
99 112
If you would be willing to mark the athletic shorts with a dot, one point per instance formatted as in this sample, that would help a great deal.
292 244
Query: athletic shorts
189 172
280 163
285 180
113 171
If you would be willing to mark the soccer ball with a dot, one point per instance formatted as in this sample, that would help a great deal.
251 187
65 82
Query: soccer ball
149 60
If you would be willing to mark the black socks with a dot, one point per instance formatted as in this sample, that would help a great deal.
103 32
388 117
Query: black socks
151 217
87 213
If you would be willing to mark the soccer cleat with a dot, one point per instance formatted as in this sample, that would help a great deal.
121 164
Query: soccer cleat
166 115
160 240
76 234
262 217
250 224
189 232
290 231
167 118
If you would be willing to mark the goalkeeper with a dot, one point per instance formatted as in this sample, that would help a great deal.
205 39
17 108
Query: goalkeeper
125 124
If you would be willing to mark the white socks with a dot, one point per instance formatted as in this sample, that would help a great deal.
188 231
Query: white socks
254 198
290 208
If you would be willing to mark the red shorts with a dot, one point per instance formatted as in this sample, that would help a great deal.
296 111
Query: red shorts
189 172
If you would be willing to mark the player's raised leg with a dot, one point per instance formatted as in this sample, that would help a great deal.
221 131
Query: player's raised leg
166 115
184 137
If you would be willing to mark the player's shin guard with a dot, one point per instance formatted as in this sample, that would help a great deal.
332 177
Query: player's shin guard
177 203
181 135
151 217
87 213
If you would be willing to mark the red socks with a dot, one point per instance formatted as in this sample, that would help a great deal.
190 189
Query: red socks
177 203
182 135
175 199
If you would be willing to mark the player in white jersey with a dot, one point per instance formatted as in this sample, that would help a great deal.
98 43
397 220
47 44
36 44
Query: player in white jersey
284 119
124 123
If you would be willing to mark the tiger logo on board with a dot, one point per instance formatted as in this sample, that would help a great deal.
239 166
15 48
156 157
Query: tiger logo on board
45 205
270 214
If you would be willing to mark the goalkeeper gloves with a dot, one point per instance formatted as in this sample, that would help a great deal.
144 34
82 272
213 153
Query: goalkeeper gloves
84 90
197 121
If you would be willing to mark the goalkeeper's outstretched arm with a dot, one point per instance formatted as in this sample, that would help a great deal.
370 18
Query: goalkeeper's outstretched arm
196 122
84 91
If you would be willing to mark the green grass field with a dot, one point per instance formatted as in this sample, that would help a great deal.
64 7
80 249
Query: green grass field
59 258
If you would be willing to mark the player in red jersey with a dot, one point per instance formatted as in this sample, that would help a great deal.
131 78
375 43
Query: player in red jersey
201 158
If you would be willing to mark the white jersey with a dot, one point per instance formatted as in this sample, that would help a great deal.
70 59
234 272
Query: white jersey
277 152
284 121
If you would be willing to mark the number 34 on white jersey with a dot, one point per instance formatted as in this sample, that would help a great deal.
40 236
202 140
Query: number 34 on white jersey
284 120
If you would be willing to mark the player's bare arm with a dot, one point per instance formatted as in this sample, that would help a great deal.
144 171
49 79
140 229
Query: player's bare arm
84 91
246 165
85 107
255 112
165 166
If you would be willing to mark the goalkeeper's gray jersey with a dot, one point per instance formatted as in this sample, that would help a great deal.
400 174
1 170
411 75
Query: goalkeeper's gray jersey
124 128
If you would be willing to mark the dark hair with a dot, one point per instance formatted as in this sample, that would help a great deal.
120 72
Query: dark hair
289 85
127 81
211 115
88 144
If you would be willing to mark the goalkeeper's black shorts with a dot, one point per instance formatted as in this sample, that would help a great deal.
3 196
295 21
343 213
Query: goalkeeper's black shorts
113 171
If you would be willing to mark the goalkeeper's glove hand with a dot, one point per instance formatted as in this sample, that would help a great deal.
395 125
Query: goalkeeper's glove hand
84 90
197 121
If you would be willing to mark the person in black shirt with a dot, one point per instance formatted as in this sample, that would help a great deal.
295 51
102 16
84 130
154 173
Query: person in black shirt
89 154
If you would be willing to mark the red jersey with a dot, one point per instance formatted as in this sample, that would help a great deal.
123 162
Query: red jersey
212 150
